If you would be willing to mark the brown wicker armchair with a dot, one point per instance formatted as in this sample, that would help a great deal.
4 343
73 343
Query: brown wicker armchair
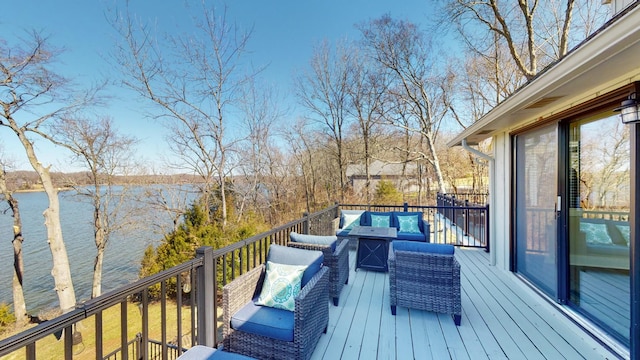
266 333
336 258
424 276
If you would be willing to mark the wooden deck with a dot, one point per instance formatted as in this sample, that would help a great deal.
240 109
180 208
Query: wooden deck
501 319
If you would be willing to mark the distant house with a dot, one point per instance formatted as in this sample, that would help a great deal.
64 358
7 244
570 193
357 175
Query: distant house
404 176
565 180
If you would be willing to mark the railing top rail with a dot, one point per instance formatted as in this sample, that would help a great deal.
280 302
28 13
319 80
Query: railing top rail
114 297
40 331
428 207
248 241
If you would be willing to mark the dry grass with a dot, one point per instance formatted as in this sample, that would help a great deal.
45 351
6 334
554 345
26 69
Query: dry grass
51 348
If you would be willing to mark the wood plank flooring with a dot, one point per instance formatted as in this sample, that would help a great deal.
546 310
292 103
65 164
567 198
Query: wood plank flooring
502 319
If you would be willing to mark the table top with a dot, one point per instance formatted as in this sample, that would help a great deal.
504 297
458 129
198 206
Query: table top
374 232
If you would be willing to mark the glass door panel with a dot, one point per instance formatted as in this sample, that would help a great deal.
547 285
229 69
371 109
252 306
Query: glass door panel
536 170
599 203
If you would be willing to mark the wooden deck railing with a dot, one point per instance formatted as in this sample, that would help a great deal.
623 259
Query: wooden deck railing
194 287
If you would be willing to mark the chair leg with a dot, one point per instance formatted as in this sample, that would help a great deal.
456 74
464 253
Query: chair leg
456 319
393 310
335 301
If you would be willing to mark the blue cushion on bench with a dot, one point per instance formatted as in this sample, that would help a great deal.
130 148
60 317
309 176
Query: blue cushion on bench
423 247
292 256
265 321
411 236
329 240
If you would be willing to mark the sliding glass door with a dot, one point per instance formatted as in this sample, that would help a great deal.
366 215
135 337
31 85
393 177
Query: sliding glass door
536 190
599 208
572 197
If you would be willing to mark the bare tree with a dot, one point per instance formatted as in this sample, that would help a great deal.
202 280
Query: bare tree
603 170
107 154
324 92
263 170
418 91
19 304
171 200
31 94
367 89
195 82
300 138
535 32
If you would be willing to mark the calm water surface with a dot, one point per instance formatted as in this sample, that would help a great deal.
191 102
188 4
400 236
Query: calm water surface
121 262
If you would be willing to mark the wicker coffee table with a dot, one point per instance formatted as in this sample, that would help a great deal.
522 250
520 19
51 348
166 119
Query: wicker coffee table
373 246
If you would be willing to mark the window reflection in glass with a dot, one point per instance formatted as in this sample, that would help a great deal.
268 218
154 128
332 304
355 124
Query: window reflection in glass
599 198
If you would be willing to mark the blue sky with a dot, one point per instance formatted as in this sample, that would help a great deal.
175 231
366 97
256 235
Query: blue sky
285 32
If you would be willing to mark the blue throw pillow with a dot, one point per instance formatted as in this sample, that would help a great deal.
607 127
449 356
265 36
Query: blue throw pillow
408 224
380 220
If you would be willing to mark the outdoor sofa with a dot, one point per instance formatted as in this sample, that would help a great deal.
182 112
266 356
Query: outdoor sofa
410 225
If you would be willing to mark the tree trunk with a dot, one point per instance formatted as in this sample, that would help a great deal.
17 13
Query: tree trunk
101 245
435 163
96 288
367 164
19 305
61 270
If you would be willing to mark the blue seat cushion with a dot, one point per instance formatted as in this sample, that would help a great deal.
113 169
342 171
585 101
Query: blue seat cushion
330 240
293 256
265 321
411 236
200 352
423 247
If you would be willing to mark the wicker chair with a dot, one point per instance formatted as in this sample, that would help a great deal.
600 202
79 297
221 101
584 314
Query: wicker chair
336 257
424 276
304 325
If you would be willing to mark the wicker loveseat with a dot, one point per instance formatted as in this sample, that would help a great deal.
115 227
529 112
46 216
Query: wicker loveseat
265 332
336 258
424 276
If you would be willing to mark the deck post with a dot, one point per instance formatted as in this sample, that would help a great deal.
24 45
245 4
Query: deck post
486 229
305 223
206 297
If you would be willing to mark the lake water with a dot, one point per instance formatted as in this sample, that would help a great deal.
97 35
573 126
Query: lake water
121 262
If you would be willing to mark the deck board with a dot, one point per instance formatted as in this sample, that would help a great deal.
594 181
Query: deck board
501 319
